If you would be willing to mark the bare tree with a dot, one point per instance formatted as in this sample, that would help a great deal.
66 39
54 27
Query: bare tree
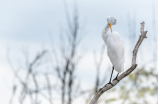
29 84
65 61
67 57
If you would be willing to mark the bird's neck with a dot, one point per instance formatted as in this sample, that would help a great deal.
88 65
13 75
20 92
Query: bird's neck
105 31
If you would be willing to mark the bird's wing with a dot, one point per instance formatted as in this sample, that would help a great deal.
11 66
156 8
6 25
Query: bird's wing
115 47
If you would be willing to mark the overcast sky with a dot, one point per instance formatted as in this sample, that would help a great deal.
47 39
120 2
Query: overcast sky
30 22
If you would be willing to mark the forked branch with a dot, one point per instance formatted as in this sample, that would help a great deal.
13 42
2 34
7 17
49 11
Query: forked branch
126 73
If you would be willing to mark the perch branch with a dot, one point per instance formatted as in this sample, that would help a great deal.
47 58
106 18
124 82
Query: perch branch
126 73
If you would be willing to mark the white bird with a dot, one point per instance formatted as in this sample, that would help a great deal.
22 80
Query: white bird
115 47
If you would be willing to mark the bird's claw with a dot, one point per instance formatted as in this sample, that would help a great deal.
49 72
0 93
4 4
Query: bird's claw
115 79
110 83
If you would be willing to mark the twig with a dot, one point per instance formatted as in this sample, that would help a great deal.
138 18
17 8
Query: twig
126 73
98 66
49 88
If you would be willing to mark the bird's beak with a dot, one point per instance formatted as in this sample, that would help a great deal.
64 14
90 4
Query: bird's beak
110 26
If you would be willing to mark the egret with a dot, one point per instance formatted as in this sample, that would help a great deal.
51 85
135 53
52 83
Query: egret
115 47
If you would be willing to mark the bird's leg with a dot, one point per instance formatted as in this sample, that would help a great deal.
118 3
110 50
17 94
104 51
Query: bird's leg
116 77
111 75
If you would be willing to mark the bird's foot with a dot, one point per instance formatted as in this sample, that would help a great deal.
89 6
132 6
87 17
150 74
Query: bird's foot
115 79
110 83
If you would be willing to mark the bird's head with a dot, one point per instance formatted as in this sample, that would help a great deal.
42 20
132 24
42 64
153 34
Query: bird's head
111 21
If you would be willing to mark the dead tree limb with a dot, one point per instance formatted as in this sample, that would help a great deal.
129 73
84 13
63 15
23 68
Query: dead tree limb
126 73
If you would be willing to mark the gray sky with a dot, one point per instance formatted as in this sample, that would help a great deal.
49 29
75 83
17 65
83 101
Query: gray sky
29 23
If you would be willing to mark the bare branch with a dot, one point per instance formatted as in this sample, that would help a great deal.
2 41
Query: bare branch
13 94
126 73
142 36
49 89
98 66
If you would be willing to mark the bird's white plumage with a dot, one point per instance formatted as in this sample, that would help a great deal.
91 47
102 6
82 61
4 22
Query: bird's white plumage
115 48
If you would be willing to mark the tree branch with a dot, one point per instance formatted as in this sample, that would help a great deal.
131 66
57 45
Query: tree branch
126 73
